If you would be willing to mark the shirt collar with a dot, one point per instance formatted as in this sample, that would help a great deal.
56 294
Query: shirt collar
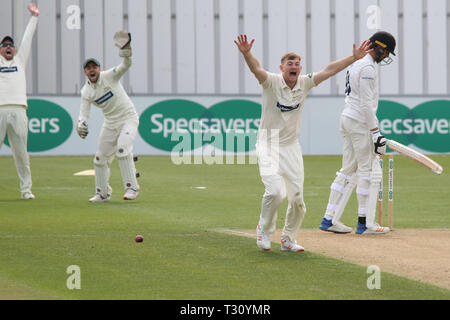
4 61
369 57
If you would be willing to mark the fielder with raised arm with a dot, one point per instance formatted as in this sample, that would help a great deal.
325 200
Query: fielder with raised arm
13 100
104 90
362 142
278 150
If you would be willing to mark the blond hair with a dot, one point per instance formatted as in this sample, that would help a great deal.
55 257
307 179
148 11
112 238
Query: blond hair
290 56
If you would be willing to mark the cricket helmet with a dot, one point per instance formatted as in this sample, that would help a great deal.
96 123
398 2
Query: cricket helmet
383 40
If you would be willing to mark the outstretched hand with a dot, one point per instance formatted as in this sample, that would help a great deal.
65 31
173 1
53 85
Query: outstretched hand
363 49
242 43
34 10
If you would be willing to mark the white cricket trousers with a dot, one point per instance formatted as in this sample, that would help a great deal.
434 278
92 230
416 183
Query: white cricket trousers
282 174
14 122
116 141
358 149
357 158
113 136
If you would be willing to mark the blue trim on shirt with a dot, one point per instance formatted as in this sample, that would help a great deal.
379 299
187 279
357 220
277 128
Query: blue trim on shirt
104 98
286 108
8 69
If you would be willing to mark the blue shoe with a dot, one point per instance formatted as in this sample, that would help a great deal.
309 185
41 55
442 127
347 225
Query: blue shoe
325 224
361 228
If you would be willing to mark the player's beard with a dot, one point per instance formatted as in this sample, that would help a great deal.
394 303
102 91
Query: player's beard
93 76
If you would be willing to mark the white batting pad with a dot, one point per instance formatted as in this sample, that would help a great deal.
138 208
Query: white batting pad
128 170
375 179
101 176
350 183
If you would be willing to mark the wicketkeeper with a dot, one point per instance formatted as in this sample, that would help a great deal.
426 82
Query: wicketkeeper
362 143
13 100
104 90
278 149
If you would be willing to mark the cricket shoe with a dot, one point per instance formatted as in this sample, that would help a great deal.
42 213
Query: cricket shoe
27 196
292 246
99 198
376 229
130 194
262 239
338 227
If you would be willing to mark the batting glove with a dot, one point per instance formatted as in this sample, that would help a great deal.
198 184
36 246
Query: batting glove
379 142
82 129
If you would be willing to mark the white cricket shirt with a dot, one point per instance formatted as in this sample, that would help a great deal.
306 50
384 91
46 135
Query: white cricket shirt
13 84
109 95
362 93
282 107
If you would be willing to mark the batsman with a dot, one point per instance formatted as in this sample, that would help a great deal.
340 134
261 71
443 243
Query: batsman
104 90
362 142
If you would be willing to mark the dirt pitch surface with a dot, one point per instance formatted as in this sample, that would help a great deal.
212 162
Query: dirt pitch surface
420 254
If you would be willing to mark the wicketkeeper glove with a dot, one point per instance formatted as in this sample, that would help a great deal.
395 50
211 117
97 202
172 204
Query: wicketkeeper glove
379 142
82 129
125 52
122 40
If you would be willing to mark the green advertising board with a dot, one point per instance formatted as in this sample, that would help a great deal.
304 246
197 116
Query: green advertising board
427 125
231 125
49 125
184 125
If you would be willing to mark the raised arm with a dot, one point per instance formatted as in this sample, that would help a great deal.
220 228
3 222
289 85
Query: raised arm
25 45
120 70
122 40
339 65
244 47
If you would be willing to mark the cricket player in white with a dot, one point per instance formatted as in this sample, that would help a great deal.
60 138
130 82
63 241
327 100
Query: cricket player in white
104 90
278 149
13 100
362 141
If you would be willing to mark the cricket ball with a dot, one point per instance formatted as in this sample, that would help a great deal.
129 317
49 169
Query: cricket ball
139 238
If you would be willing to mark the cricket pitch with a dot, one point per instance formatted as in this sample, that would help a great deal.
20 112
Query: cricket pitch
420 254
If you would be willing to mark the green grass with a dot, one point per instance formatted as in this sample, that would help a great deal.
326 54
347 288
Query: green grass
181 256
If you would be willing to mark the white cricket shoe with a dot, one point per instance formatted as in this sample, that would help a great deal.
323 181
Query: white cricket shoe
130 194
375 229
262 239
338 227
99 198
292 246
27 196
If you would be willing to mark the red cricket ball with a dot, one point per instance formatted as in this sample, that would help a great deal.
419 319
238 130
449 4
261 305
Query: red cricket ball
139 238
